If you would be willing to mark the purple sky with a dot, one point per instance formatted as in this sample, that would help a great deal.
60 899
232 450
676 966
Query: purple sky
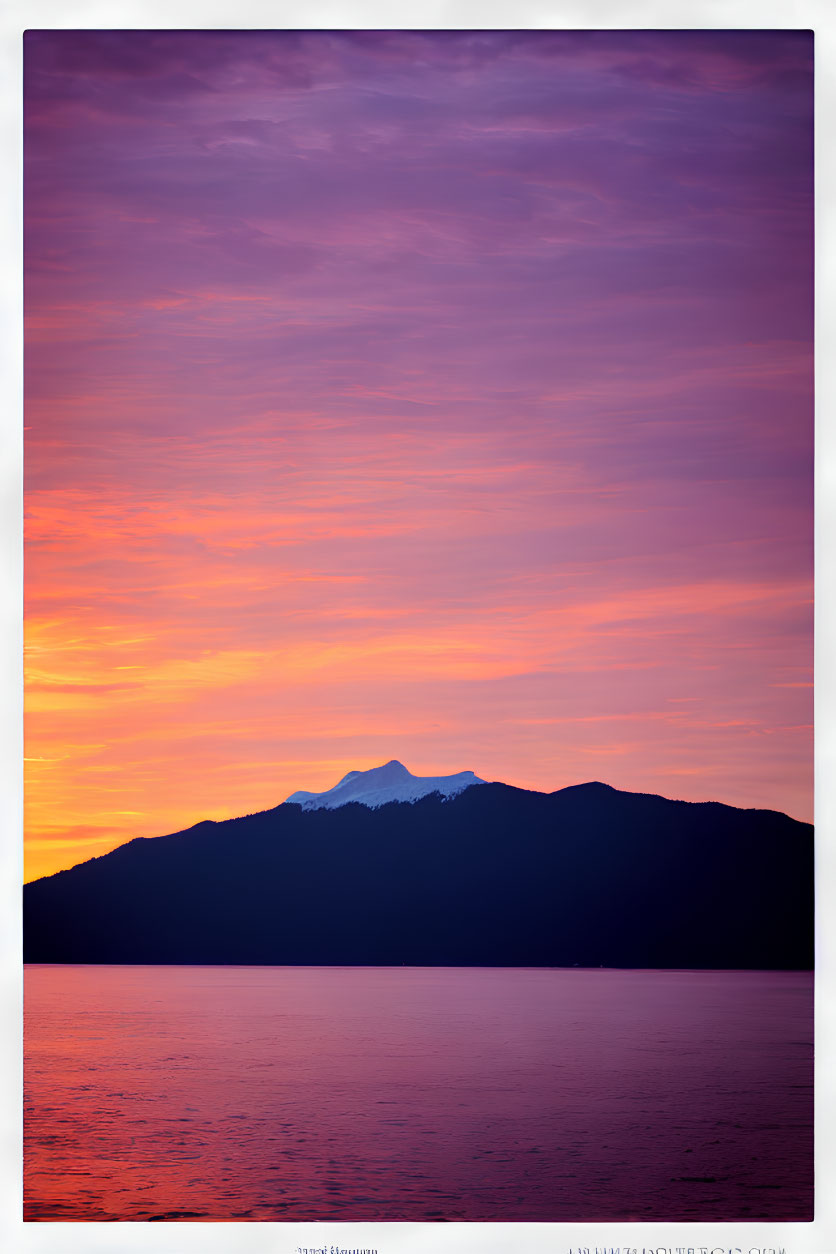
441 396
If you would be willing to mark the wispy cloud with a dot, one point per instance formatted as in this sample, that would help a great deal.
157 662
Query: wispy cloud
435 395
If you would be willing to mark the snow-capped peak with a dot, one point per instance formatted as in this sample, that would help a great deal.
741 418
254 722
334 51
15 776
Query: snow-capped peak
392 782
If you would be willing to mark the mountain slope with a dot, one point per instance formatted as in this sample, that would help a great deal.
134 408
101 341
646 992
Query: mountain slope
496 876
392 782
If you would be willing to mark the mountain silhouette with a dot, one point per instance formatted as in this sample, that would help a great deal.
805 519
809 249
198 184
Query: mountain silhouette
494 876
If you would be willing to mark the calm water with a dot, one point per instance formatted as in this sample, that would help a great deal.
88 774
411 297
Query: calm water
360 1094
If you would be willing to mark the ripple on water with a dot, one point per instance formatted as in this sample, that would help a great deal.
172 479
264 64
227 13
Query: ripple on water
416 1093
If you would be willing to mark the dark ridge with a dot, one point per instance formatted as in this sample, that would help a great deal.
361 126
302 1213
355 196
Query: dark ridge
496 876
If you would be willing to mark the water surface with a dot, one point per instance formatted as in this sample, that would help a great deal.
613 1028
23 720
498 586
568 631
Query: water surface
361 1094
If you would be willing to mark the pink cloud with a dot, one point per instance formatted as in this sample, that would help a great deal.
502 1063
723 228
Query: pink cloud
445 397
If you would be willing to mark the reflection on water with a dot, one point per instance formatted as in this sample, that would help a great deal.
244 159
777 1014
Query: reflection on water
361 1094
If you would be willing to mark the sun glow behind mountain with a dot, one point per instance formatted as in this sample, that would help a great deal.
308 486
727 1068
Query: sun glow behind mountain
444 396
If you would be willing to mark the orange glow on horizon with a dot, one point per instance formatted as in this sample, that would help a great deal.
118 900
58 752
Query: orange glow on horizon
402 407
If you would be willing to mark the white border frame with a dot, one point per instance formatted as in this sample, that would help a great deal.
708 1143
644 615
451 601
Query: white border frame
818 1237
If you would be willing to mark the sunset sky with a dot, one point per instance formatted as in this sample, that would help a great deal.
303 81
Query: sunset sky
433 396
